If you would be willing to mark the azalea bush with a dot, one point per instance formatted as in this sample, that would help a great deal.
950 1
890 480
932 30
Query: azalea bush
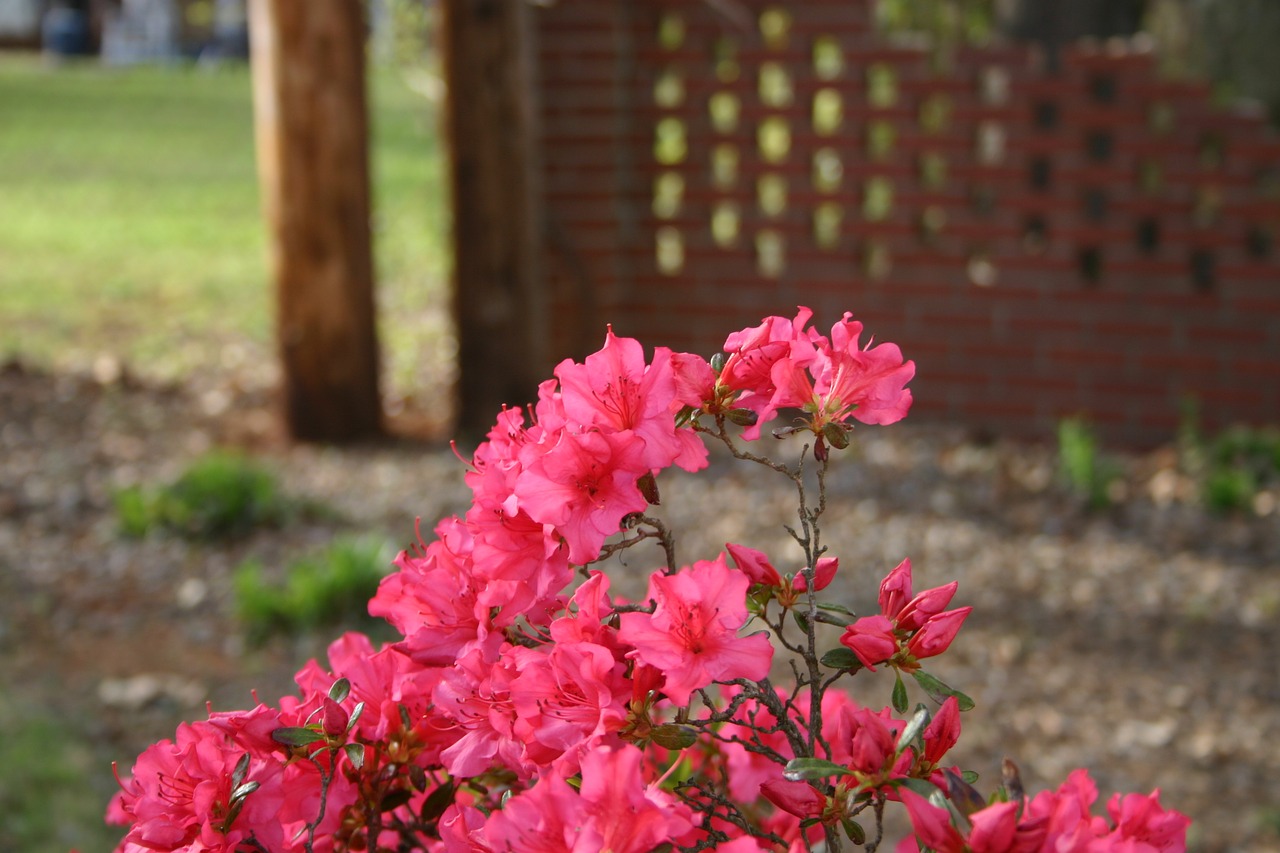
529 707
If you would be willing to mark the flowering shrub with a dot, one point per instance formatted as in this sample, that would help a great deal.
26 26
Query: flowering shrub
529 708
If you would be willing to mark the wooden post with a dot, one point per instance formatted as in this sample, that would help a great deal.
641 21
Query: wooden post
312 140
499 304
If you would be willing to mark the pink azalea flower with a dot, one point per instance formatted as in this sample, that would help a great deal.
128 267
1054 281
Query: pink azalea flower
432 599
692 635
520 566
626 813
475 694
1140 818
547 818
179 795
695 380
752 355
584 622
613 390
567 700
583 487
837 380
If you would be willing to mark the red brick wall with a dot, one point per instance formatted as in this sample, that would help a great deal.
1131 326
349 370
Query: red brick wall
1096 241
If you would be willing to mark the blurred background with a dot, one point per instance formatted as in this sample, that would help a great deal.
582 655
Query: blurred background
166 541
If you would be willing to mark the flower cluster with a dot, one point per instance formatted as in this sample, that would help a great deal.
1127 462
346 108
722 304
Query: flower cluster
528 707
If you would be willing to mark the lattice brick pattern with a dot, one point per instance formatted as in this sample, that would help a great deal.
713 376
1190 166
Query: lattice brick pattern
1099 239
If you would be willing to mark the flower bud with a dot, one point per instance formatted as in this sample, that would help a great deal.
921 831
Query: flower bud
798 798
334 719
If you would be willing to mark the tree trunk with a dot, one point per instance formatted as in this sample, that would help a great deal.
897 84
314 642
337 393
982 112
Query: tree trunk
499 305
313 160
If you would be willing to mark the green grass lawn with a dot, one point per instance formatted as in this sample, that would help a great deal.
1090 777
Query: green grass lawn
130 222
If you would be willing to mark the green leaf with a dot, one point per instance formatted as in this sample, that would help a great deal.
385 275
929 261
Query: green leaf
838 608
355 754
395 799
242 769
242 791
674 736
970 776
802 619
436 802
340 690
938 691
811 769
742 417
296 735
854 831
837 435
648 486
417 777
923 787
964 796
914 728
717 362
355 715
841 657
900 701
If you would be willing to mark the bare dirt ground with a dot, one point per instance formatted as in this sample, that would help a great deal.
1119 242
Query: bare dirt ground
1139 642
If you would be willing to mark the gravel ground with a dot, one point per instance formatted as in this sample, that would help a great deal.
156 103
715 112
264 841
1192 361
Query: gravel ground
1139 642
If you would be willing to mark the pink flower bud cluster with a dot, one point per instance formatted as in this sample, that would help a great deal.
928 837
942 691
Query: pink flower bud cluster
907 629
527 708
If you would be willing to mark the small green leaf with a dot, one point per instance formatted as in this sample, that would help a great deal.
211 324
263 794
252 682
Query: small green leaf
938 691
355 715
673 736
242 769
914 728
854 831
717 362
742 417
966 798
395 799
923 787
355 754
837 608
648 486
837 435
242 791
900 701
296 735
811 769
802 619
841 657
404 718
340 690
417 777
970 776
436 802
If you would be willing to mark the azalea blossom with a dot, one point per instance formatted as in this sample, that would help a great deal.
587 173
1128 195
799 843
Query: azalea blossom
692 635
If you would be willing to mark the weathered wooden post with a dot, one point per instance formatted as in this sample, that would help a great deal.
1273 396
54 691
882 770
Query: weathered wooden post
499 305
312 140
